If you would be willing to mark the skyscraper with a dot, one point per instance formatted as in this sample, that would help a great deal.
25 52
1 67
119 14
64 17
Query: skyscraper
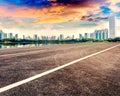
16 36
53 38
80 36
24 37
1 34
10 35
86 35
106 34
73 37
112 26
5 35
61 37
92 35
97 34
35 37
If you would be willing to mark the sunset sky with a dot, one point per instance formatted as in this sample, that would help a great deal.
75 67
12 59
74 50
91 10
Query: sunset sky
54 17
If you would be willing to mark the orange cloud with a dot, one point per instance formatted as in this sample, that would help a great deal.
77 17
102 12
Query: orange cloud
50 20
30 12
65 13
53 14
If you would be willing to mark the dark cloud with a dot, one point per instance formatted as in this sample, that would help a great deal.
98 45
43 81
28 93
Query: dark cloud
46 3
73 2
30 3
101 18
86 17
93 18
78 2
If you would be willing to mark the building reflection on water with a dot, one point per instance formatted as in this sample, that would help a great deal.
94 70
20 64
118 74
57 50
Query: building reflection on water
20 46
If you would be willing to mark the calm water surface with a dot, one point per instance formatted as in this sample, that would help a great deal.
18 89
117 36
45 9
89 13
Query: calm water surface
18 46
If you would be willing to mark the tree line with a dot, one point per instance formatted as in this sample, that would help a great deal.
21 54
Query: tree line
26 41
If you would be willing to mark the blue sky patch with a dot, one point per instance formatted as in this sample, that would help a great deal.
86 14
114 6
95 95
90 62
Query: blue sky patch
105 9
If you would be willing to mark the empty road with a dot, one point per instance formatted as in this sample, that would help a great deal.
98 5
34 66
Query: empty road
97 75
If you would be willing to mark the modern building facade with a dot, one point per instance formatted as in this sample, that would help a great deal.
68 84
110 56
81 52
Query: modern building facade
101 34
112 26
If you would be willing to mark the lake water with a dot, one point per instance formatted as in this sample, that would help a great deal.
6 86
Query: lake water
18 46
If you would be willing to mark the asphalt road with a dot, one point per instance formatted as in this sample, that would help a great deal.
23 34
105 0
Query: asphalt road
96 76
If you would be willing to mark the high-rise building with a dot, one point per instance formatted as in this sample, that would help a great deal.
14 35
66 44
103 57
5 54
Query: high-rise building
35 37
61 37
97 34
24 37
80 36
16 36
105 33
5 35
92 36
101 34
112 26
10 35
44 37
1 34
73 37
38 38
86 35
53 38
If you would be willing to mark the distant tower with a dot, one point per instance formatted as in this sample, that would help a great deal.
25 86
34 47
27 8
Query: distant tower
112 26
86 35
16 36
10 35
1 34
61 37
5 35
35 37
80 36
97 34
73 37
92 35
24 37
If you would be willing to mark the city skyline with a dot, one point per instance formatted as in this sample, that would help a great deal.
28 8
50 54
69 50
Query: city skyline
101 34
54 17
97 34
